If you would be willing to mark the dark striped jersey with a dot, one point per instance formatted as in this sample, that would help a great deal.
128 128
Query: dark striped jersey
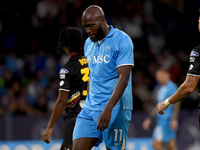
74 77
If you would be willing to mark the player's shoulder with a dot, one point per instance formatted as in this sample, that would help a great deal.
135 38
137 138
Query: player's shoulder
121 33
122 36
88 41
68 66
195 51
87 44
196 48
64 69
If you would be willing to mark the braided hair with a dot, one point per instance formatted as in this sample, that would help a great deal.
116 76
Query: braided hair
71 38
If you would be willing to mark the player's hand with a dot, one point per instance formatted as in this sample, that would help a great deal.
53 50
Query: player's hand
160 107
146 124
174 124
46 135
104 120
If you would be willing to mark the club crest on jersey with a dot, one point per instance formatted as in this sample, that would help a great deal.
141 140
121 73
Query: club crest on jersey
107 48
64 71
194 53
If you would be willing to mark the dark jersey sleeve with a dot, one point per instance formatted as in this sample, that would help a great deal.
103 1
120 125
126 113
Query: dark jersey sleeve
64 84
194 67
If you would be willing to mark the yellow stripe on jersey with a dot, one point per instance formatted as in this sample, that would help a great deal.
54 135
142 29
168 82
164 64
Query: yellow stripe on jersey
73 97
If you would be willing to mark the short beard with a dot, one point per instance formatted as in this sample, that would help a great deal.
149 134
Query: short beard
99 35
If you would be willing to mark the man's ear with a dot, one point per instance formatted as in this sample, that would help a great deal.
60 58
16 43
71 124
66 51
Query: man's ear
102 20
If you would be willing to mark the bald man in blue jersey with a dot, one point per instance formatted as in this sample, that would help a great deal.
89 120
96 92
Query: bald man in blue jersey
107 110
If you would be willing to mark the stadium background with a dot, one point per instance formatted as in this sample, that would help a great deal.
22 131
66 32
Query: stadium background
163 33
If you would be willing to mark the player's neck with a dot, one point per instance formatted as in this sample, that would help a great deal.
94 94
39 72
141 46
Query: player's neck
107 30
75 53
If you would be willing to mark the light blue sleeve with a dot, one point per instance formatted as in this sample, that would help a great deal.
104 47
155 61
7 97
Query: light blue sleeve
125 52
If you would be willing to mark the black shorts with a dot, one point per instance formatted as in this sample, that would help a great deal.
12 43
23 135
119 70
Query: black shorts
68 133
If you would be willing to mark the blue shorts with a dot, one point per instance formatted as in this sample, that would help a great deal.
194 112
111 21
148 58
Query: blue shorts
164 133
114 136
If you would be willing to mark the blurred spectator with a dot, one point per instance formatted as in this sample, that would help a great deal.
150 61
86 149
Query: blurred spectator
45 8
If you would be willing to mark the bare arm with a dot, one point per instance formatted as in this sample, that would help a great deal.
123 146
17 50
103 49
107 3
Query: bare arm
189 85
147 122
104 118
58 110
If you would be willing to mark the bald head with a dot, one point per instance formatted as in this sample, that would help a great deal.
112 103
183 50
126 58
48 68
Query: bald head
94 23
93 12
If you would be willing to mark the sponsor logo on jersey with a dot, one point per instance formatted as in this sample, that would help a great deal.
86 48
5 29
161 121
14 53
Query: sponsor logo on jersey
61 83
64 71
62 76
192 59
98 59
73 97
194 53
107 48
89 59
191 66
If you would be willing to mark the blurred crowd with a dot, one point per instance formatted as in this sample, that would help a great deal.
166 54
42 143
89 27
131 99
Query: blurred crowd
163 33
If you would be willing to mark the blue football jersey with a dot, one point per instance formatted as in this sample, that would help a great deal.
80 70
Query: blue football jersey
103 57
163 93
